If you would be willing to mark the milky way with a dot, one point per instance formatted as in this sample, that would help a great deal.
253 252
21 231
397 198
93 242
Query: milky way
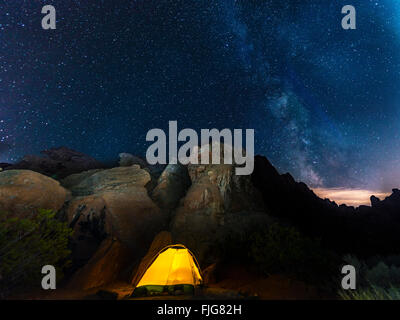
323 100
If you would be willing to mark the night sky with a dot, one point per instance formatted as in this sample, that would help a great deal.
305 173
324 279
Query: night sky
324 102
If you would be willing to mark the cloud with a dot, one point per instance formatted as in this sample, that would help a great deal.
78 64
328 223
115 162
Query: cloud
351 197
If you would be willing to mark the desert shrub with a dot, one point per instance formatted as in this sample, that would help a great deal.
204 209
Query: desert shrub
372 293
281 249
27 244
376 271
378 278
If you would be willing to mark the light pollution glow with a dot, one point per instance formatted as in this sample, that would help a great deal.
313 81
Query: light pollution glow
350 197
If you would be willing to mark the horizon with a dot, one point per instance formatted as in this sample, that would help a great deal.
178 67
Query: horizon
340 195
349 197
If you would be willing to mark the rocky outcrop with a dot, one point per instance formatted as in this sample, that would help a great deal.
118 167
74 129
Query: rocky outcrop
76 178
121 179
374 201
114 202
127 160
171 186
210 274
111 262
217 204
390 203
22 192
57 162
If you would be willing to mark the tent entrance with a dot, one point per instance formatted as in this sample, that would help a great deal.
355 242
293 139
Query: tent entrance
173 270
150 290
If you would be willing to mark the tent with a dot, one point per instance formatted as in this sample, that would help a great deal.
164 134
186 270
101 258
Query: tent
173 269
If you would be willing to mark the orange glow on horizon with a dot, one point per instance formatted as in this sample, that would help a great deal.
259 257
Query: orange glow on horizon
350 197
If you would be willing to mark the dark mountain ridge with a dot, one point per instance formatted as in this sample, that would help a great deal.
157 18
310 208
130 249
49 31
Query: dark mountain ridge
364 230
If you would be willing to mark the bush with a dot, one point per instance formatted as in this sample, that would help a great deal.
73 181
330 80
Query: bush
376 271
27 244
283 249
378 278
373 293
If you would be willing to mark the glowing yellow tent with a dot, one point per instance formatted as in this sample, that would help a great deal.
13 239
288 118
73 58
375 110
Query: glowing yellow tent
173 268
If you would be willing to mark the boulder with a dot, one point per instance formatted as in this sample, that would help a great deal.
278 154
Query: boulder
237 191
108 264
171 186
114 202
120 179
127 160
88 216
76 178
22 192
216 197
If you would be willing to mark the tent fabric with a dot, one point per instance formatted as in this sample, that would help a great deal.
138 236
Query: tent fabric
161 241
173 265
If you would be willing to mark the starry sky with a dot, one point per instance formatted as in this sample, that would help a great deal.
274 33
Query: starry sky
323 101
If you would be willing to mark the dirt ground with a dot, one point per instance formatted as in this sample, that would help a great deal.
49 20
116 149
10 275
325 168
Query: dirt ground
236 283
273 287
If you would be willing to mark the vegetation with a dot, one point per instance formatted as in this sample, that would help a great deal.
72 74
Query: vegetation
29 243
372 293
378 278
281 249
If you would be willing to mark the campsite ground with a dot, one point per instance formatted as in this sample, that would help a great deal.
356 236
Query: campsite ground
237 283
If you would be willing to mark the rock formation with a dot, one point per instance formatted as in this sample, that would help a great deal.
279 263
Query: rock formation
217 204
22 192
110 262
114 202
57 162
171 186
127 160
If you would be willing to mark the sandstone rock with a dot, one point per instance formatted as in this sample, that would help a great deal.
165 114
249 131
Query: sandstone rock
107 265
204 214
118 179
88 218
209 274
76 178
171 186
237 192
22 192
114 202
127 160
